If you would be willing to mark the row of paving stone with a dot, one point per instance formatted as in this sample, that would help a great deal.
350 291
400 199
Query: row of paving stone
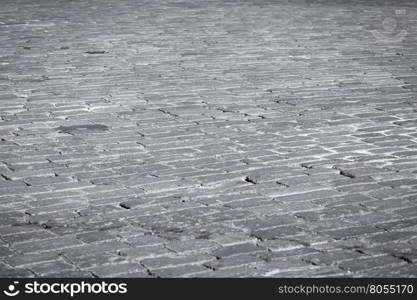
207 139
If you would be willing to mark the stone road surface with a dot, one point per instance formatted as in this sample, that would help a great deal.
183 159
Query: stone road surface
208 138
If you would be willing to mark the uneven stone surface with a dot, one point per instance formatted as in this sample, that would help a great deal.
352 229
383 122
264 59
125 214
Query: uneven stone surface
208 138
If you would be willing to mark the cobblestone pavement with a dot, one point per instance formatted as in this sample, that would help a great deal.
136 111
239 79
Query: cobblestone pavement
208 138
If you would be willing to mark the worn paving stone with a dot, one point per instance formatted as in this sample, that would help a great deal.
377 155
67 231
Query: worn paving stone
208 138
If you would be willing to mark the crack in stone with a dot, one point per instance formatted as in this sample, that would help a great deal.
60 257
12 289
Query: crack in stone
124 205
168 113
401 257
250 180
6 177
96 52
306 166
347 174
210 267
282 184
148 271
344 172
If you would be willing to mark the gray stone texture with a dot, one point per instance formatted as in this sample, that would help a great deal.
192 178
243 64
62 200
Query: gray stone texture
208 138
